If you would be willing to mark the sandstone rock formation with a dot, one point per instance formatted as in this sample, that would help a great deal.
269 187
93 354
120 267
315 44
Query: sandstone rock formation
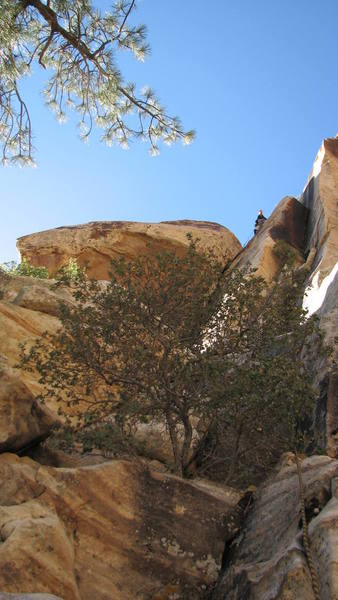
117 530
267 560
310 226
95 244
28 307
287 223
320 196
5 596
23 420
112 531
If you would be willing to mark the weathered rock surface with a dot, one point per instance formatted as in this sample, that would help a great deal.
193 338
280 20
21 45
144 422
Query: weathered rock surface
111 531
320 196
267 561
23 420
310 226
4 596
287 223
28 307
40 295
95 244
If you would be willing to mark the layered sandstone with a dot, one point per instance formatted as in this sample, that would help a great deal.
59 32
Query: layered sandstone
28 307
310 226
267 560
320 196
110 531
95 244
5 596
288 223
23 420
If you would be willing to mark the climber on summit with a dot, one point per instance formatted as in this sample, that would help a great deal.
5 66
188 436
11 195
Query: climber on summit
259 221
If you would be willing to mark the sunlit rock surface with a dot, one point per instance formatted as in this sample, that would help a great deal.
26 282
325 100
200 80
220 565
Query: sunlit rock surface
23 420
310 226
267 560
95 244
320 196
288 223
111 531
28 307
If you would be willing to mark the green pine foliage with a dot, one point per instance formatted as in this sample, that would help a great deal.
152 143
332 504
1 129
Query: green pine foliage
219 360
77 44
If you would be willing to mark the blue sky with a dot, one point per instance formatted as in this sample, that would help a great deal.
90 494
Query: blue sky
256 79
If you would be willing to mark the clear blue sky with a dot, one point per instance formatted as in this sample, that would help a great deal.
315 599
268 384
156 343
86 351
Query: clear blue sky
256 79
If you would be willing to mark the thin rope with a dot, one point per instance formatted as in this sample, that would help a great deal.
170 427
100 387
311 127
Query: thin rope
306 539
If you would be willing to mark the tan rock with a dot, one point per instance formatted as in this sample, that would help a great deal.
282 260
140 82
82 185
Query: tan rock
287 223
95 244
28 307
4 596
111 531
267 560
320 197
23 420
310 225
40 295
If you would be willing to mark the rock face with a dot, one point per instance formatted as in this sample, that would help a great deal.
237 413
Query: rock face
95 244
288 223
4 596
115 530
28 307
23 420
310 226
118 530
267 561
320 196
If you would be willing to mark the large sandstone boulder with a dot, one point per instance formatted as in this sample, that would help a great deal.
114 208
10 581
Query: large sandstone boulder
95 244
111 531
267 560
23 420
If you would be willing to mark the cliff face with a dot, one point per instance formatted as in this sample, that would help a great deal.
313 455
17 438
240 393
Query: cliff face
112 531
288 222
119 530
310 226
267 560
95 244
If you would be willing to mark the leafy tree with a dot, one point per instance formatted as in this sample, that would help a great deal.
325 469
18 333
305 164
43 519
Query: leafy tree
71 272
24 268
217 360
77 45
262 346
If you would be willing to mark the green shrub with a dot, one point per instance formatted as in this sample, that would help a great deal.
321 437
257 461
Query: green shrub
169 340
71 272
285 253
24 268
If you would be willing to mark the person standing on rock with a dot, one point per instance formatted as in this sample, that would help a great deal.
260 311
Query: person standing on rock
259 221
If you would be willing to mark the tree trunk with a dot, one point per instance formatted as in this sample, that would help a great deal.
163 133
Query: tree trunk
186 444
174 444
